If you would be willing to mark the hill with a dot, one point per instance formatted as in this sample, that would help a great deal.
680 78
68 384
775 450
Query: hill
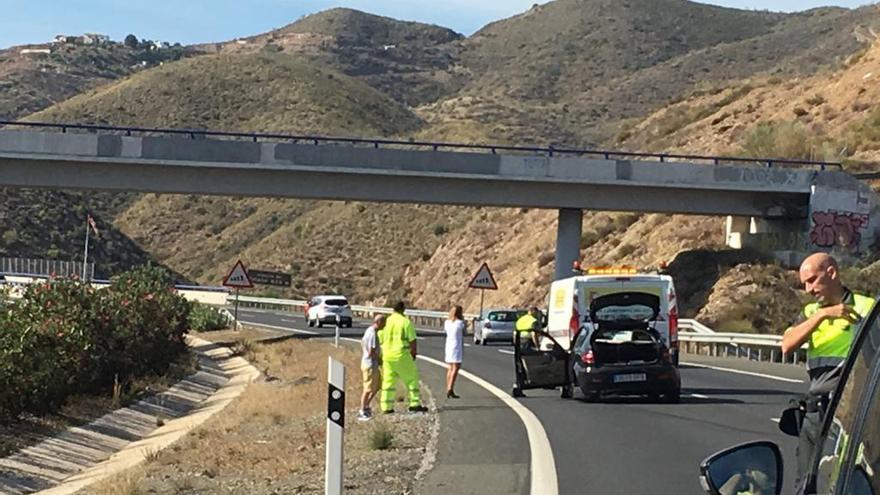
411 62
265 92
30 82
572 71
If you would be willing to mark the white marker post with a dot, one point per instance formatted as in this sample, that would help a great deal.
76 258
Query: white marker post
336 341
335 426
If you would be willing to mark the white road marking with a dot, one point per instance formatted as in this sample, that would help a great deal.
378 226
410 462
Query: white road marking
286 329
775 420
505 351
543 466
741 372
467 345
699 396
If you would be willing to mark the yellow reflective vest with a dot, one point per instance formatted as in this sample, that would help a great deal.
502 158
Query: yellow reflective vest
395 338
526 323
830 343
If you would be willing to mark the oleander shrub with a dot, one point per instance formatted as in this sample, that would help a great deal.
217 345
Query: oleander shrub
204 318
65 337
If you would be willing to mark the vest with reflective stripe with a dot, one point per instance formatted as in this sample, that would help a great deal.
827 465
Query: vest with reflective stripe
830 343
526 323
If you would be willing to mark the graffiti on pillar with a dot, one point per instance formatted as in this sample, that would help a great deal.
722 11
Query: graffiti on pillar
838 229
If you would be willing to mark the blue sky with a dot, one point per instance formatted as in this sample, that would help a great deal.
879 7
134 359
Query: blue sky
194 21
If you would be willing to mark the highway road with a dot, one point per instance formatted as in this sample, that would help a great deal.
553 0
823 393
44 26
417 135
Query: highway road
630 445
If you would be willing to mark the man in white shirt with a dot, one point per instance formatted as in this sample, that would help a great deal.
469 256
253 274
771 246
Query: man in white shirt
370 363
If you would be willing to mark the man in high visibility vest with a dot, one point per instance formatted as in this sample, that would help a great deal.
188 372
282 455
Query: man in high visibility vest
398 343
527 325
828 326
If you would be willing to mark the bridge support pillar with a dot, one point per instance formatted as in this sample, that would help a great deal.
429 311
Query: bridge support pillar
568 241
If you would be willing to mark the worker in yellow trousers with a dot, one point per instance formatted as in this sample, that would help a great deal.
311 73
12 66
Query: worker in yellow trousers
398 343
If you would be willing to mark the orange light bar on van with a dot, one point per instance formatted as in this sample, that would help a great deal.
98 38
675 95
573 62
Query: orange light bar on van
619 270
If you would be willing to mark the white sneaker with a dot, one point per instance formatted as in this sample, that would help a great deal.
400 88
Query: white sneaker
364 416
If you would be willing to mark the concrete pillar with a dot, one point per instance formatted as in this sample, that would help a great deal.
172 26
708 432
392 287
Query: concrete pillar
568 241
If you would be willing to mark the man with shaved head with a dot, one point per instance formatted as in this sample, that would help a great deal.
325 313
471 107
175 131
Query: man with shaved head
827 326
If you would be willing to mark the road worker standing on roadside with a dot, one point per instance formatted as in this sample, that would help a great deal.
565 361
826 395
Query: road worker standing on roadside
399 349
828 326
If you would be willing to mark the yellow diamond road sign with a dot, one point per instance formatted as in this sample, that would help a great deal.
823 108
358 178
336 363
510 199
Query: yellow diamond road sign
483 279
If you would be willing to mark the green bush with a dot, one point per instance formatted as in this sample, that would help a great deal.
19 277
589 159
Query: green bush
65 337
204 318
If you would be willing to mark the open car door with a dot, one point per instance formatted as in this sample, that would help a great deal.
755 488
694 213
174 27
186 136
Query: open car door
536 368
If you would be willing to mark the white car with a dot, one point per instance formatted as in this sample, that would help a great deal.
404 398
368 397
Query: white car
326 309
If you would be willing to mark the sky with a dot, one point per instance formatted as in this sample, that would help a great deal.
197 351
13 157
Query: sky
198 21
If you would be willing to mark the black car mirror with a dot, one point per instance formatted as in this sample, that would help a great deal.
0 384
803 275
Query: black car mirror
754 467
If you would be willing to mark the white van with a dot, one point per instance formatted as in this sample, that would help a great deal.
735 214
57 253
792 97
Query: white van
571 301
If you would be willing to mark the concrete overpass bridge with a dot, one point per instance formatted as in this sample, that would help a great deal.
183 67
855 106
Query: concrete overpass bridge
760 196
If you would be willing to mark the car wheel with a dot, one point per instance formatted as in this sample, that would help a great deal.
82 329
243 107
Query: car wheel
673 397
310 322
318 322
483 341
590 396
517 392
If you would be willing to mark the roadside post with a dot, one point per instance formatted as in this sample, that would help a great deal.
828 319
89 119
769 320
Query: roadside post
336 339
483 280
237 278
335 426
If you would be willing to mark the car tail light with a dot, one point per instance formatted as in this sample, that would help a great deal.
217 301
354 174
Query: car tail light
673 328
588 358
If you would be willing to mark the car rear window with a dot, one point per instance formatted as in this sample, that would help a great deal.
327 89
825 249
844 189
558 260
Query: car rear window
336 302
503 316
625 306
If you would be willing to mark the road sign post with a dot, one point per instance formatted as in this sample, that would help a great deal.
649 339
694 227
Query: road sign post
336 340
483 280
335 426
237 278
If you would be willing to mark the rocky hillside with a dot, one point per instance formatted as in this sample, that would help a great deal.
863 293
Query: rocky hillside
570 72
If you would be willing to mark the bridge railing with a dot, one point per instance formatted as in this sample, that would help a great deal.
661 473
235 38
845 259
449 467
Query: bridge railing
435 146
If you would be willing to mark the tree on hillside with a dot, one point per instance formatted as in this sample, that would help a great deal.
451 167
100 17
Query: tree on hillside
131 41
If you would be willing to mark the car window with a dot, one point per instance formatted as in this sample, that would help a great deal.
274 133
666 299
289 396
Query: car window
865 453
509 316
858 382
336 302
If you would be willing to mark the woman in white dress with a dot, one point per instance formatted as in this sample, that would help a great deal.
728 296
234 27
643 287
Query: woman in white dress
454 327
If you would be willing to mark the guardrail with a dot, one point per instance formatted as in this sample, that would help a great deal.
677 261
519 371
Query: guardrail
757 347
435 146
694 337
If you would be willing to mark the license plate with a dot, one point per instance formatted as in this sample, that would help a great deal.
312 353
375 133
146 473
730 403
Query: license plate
631 377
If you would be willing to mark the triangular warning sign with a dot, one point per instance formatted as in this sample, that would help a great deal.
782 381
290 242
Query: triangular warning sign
238 277
483 279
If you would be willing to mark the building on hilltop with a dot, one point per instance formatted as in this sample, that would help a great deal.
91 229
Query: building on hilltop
94 39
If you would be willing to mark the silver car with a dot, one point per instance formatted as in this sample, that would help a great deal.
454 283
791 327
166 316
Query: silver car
496 324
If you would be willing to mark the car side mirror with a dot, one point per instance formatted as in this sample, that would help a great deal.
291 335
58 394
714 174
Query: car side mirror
754 467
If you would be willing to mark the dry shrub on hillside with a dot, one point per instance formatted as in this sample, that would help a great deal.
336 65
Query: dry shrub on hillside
753 298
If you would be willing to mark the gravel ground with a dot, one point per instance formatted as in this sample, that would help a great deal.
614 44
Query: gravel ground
271 440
